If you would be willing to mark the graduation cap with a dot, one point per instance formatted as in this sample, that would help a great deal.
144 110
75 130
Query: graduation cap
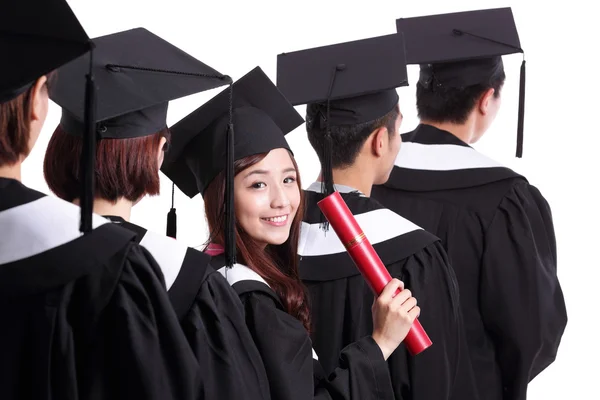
137 74
203 143
36 37
351 83
463 49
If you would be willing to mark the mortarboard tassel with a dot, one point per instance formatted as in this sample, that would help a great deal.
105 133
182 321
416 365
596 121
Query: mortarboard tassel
230 245
88 153
327 184
172 217
521 116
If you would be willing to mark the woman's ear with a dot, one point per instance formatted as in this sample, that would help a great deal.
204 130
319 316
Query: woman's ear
160 156
39 100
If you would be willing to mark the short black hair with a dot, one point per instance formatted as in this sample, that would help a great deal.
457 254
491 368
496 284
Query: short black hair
447 104
347 139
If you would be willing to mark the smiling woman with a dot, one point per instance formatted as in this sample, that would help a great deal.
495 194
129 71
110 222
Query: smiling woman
268 203
268 200
267 195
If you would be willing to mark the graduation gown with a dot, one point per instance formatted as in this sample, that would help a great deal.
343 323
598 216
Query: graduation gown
499 235
341 300
83 316
292 365
211 316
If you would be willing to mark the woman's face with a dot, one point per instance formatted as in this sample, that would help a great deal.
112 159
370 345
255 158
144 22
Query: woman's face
267 198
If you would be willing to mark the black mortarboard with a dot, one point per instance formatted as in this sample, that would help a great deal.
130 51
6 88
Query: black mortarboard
202 145
352 83
36 37
463 49
137 74
261 116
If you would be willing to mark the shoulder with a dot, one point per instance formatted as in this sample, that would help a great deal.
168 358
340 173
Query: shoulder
247 283
324 257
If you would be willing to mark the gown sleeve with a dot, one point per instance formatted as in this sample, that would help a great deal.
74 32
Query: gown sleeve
293 370
140 345
521 299
444 370
230 363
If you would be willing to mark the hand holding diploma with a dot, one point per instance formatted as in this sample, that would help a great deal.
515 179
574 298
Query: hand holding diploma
367 261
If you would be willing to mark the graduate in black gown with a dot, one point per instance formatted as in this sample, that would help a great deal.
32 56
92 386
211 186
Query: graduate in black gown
267 205
496 227
353 119
133 134
84 316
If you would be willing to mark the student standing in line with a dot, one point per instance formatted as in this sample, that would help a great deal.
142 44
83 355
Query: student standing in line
267 203
496 227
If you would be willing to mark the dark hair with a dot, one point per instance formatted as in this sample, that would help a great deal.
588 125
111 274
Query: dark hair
14 128
347 139
124 167
445 104
277 265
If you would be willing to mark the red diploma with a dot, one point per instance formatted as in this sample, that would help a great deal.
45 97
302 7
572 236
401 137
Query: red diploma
367 261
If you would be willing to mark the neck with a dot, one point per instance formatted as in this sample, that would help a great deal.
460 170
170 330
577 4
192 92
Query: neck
121 208
357 177
11 171
465 132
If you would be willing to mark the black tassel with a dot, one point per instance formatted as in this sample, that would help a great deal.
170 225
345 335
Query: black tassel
88 153
230 246
327 184
172 217
521 116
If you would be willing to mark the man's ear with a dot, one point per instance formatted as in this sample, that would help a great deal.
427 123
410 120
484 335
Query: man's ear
379 141
485 100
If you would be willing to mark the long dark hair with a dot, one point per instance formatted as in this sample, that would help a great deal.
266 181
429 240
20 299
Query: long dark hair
277 264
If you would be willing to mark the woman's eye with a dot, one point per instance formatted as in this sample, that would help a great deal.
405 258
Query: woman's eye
258 185
289 180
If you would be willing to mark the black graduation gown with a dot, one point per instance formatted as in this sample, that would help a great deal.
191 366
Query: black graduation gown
83 317
292 365
212 318
341 300
499 235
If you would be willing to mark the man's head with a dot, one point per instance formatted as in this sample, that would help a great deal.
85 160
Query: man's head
446 102
377 141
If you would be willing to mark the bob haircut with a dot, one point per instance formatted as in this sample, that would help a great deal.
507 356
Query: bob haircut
124 167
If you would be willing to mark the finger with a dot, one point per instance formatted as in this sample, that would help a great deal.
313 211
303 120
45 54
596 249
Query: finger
414 313
390 289
408 304
402 297
400 289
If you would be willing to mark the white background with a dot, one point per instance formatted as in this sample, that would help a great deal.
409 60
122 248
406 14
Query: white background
561 133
